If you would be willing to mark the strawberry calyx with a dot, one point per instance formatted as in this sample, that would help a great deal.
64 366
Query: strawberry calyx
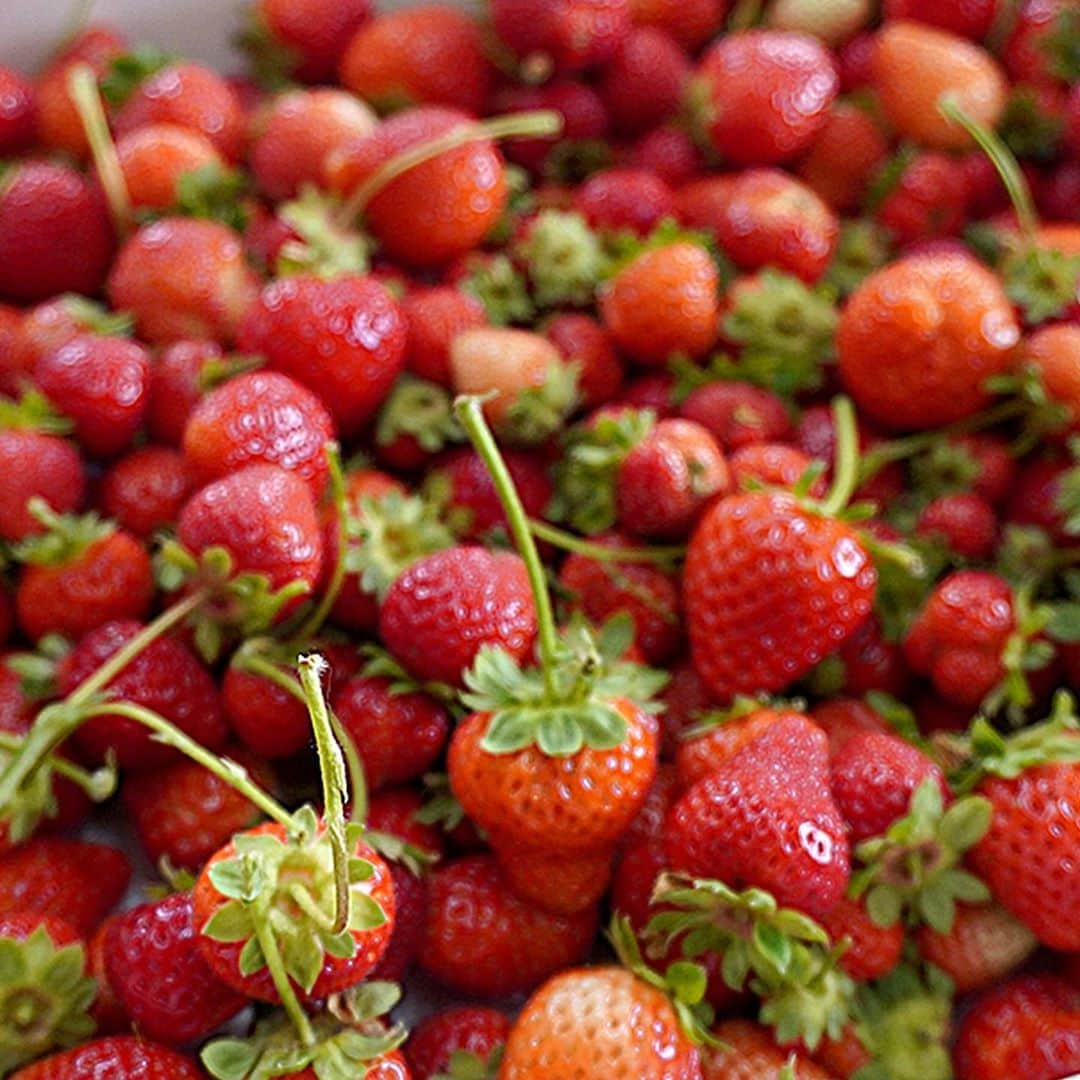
441 806
349 1038
539 411
1061 45
563 258
861 248
45 996
741 705
66 536
213 193
394 849
1026 650
1027 129
128 71
421 410
623 246
37 670
465 1065
380 664
33 412
501 289
913 871
95 318
586 472
323 244
219 370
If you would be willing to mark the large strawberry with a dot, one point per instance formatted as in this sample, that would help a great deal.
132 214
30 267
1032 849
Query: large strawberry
120 1056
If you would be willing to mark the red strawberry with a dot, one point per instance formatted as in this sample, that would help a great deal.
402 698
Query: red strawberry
867 661
410 914
765 818
873 950
844 157
929 199
748 1051
771 465
669 152
175 387
71 880
144 490
691 22
624 200
585 121
438 1038
738 414
700 754
433 318
966 522
101 383
18 113
443 608
120 1056
55 234
563 35
35 464
769 590
155 159
313 34
481 939
643 84
764 94
344 339
157 973
969 18
583 341
1028 1026
842 719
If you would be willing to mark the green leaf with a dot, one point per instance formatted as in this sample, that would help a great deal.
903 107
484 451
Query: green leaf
883 905
602 726
229 1059
687 981
240 878
937 907
965 823
1064 625
127 71
213 193
251 957
774 946
559 734
366 913
508 732
303 959
231 922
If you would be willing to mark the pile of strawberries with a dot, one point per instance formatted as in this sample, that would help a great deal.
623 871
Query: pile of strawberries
578 508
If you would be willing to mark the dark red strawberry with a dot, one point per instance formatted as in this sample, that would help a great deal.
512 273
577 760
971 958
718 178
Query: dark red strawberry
144 490
118 1056
738 414
465 1029
312 35
563 35
873 950
18 112
643 83
625 200
966 522
175 387
583 341
35 464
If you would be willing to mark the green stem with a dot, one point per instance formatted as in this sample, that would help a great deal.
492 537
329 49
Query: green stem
358 803
470 413
168 733
83 88
1005 164
313 623
310 908
335 783
846 458
98 785
515 125
268 670
568 541
276 966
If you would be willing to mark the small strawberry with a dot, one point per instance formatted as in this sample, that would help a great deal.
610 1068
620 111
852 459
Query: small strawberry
872 950
176 384
769 464
624 200
433 318
965 522
748 1051
669 152
144 490
643 83
738 414
18 114
40 466
116 1055
718 737
155 159
691 22
1053 351
444 1039
844 157
563 36
584 342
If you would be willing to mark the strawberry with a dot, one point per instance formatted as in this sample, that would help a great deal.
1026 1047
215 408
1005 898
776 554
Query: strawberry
182 278
599 1021
565 35
1037 495
950 327
643 83
157 973
445 1037
80 574
762 96
747 1051
704 749
310 36
101 384
37 466
983 946
398 736
583 341
428 54
764 818
440 612
559 883
481 939
738 414
176 386
624 201
154 160
966 523
144 490
18 114
296 132
666 481
117 1055
55 234
1052 352
928 199
183 812
343 339
769 464
433 319
844 157
437 211
915 66
669 152
259 417
71 880
843 718
1028 1026
970 18
691 22
872 950
663 302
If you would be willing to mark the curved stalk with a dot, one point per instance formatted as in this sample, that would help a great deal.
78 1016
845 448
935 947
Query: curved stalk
568 541
846 463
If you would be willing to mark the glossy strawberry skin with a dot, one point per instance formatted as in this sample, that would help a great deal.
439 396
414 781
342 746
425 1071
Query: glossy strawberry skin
34 463
344 339
444 607
738 414
624 200
769 590
117 1055
144 490
159 976
874 950
473 1028
175 387
765 819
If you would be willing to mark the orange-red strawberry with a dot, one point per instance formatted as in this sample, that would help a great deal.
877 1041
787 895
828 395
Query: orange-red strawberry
748 1051
121 1056
154 159
950 327
312 34
769 464
1054 353
433 319
701 753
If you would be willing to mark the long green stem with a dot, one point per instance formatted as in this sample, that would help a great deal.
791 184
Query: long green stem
846 458
515 125
168 733
268 670
469 410
98 785
335 783
358 801
276 966
568 541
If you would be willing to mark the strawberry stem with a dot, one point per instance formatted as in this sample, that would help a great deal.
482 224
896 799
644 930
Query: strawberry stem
98 785
846 462
83 88
469 411
534 124
276 966
255 664
335 784
569 541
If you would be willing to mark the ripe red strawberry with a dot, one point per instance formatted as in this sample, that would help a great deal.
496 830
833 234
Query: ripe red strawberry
766 819
433 318
842 719
481 939
769 590
100 383
35 464
668 151
844 157
970 18
55 234
120 1056
159 976
564 35
464 1029
71 880
175 387
701 754
184 812
950 327
662 303
312 34
643 83
867 661
1035 498
429 54
958 637
764 95
183 278
583 341
443 608
929 199
559 883
983 946
666 481
398 736
144 490
873 950
410 914
155 159
18 113
771 465
691 22
1028 1026
624 200
437 211
738 414
599 1021
79 575
966 522
260 417
344 339
748 1051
